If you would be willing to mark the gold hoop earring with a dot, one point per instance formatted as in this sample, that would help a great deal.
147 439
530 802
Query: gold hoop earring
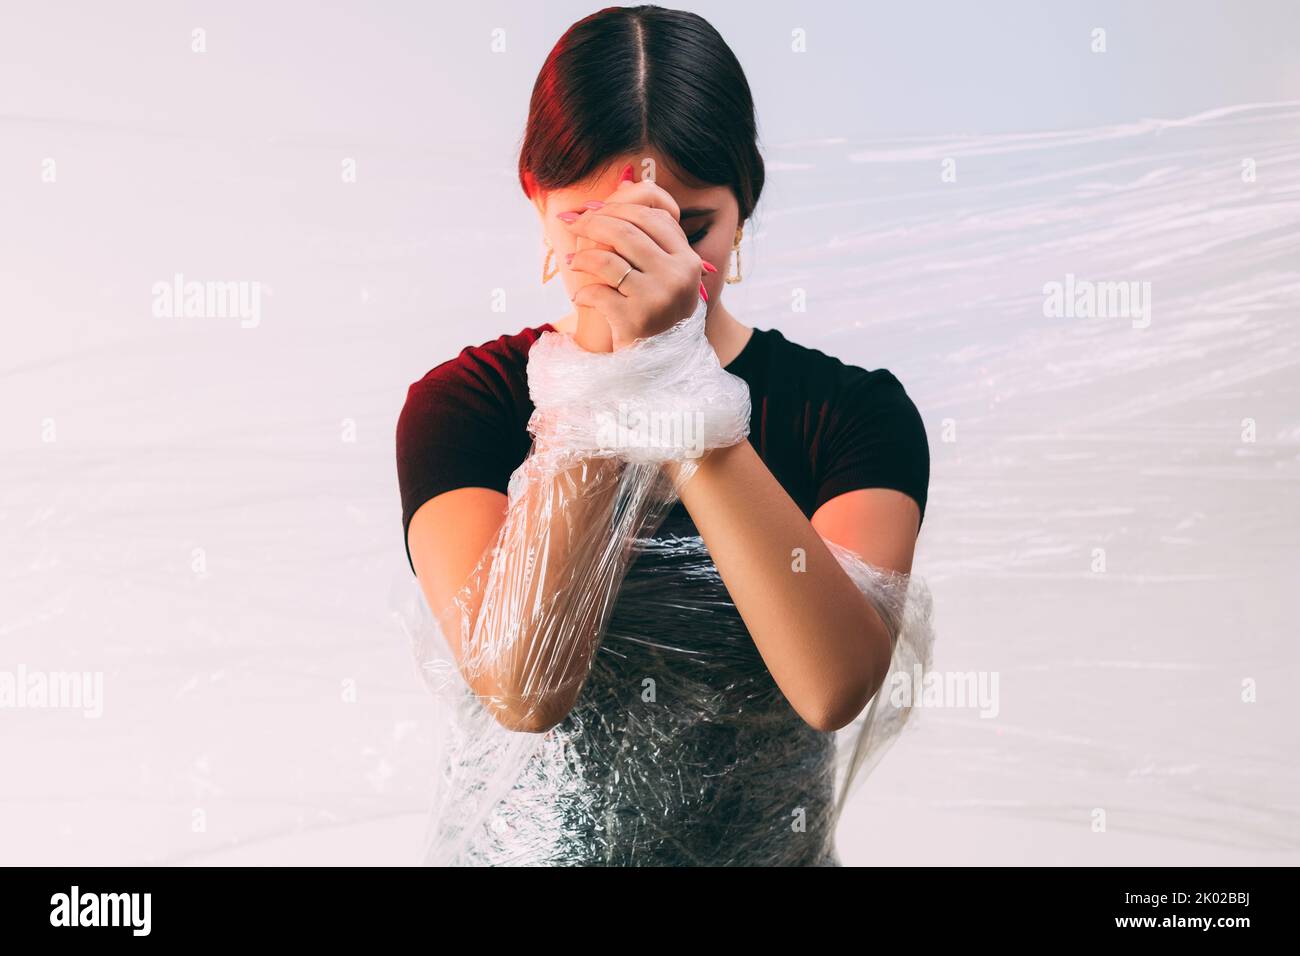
547 276
735 248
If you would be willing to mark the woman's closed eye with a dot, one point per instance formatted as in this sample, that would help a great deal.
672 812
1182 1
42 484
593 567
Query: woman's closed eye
700 214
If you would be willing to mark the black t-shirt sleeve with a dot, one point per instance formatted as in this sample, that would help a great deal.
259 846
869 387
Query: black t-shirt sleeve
459 428
875 439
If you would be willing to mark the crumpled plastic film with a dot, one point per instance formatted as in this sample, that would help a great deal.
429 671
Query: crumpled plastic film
662 398
601 701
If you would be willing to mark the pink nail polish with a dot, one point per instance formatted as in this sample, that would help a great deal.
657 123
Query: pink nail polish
708 266
626 175
594 204
567 216
704 293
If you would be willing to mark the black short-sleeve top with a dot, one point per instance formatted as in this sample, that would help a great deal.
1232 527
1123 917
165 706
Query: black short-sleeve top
821 426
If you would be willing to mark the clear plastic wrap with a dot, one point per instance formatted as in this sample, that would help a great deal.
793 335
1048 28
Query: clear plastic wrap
602 701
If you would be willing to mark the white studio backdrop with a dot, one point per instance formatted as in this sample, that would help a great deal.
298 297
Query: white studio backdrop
204 511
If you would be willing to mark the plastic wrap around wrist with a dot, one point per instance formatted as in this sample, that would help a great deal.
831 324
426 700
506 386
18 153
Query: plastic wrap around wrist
662 398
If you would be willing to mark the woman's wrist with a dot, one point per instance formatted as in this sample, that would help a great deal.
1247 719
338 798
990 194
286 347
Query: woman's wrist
661 398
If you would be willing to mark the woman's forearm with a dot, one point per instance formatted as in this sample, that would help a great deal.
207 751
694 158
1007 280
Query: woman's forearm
821 638
527 623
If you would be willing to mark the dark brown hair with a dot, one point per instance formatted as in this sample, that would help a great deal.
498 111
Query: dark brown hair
628 78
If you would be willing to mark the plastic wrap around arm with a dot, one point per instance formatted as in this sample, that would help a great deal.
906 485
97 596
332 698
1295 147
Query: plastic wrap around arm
905 605
525 625
669 741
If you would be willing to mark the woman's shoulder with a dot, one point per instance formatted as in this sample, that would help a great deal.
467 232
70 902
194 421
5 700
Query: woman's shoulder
465 421
495 367
818 372
865 429
472 403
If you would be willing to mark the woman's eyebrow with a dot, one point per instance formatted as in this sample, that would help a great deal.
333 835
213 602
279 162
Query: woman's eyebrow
696 211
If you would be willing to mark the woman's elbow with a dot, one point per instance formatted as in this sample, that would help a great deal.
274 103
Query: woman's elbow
841 705
528 715
833 715
530 721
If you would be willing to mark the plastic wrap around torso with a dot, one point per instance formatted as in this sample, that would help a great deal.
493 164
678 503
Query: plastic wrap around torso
680 751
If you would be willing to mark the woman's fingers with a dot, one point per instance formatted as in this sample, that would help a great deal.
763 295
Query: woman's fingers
665 267
659 224
646 192
619 233
608 267
612 305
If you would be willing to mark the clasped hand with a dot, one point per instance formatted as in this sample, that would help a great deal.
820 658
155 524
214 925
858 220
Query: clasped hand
649 277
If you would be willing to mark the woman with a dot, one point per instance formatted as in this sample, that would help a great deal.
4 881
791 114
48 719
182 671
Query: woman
653 650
